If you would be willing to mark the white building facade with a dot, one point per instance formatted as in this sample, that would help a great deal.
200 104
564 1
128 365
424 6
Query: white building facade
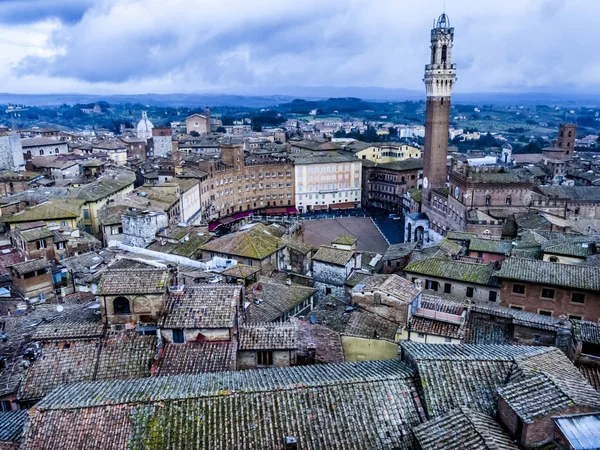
327 182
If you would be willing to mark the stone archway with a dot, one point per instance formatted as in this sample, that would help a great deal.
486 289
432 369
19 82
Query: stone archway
419 234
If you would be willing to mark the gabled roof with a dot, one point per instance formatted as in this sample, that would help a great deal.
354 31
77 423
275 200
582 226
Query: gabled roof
545 384
253 243
453 376
490 246
396 251
133 281
393 285
50 210
268 336
463 428
276 299
549 273
30 266
358 405
204 306
331 255
192 358
466 272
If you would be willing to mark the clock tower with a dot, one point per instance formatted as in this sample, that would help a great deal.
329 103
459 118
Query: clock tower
440 76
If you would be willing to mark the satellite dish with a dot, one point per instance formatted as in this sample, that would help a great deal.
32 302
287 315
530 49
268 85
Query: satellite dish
60 308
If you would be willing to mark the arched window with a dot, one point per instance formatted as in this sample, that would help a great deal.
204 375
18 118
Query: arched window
41 152
121 306
56 150
444 53
570 132
433 50
488 200
553 259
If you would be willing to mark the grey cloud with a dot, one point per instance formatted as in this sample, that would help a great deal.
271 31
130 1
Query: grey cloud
199 45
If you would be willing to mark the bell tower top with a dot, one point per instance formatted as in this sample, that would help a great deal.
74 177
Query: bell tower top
440 73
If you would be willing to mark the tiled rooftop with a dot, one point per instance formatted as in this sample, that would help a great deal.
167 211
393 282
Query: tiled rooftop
205 306
60 363
51 210
358 405
463 428
125 355
254 243
314 339
545 384
189 359
453 376
268 336
465 272
586 331
30 266
11 425
76 321
277 299
133 281
394 285
331 255
490 246
396 251
436 327
334 314
556 274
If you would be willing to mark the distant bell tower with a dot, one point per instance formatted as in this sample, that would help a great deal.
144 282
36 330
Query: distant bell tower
440 76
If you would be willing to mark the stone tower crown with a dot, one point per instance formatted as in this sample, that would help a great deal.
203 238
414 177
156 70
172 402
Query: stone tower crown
440 73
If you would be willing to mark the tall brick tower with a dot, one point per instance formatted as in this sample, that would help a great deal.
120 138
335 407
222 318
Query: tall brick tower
440 76
567 132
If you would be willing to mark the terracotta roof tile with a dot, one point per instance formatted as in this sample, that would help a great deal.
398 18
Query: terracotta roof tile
188 358
11 425
268 336
348 405
133 281
205 306
556 274
463 428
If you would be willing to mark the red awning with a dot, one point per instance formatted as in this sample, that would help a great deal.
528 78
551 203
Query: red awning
291 210
227 220
346 205
213 226
319 207
276 211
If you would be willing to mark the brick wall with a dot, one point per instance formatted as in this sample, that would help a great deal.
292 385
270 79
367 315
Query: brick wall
560 305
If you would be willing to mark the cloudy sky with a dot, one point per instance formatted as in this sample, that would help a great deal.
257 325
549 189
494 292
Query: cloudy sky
241 46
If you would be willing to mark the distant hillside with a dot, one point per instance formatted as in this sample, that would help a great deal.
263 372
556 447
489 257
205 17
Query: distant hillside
260 98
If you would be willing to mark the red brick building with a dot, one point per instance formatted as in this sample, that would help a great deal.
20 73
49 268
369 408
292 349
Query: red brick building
550 288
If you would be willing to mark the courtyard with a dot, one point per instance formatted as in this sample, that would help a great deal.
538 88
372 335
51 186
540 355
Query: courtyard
323 231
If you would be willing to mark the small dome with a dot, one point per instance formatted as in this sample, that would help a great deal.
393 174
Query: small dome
443 21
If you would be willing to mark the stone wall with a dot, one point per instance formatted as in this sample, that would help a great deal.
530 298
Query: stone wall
11 152
139 230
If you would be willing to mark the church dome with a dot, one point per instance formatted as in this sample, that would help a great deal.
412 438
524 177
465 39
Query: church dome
144 125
